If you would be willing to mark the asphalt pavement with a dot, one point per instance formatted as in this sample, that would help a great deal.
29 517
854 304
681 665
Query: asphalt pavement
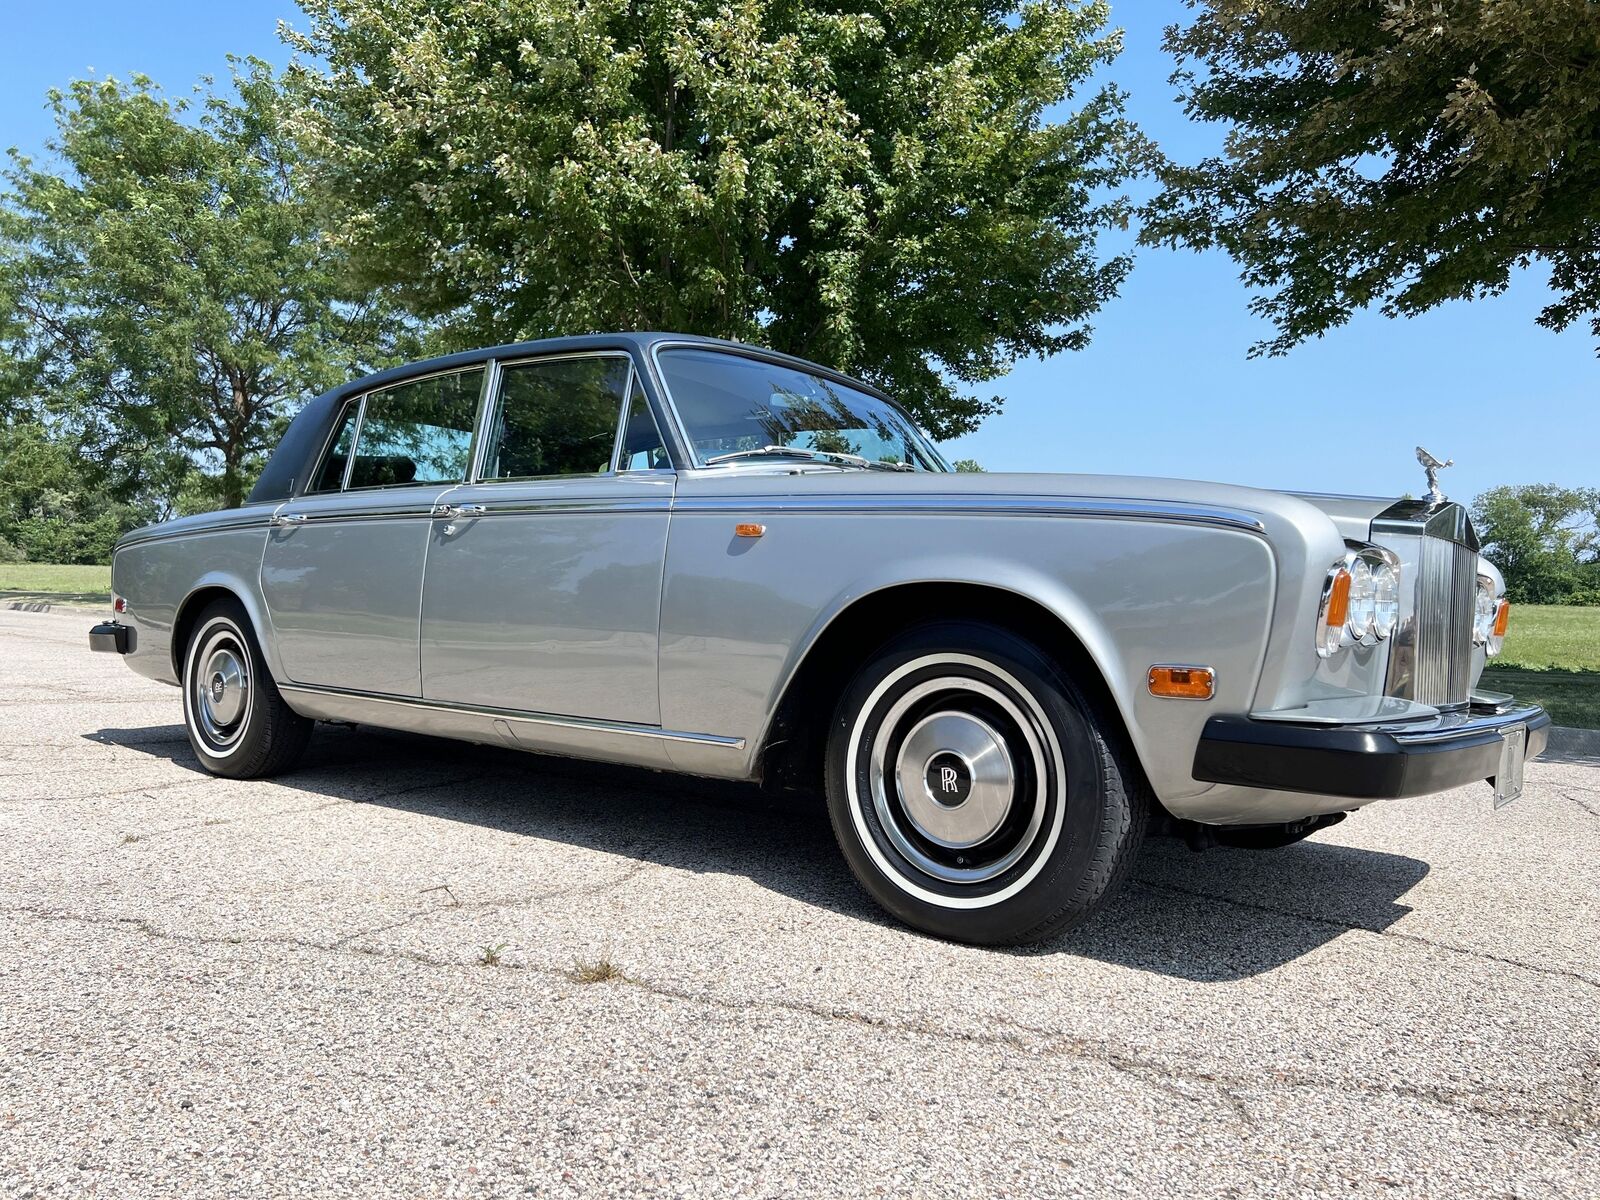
417 968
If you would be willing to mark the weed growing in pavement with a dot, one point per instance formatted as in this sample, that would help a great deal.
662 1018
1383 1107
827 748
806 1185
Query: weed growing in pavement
600 970
489 956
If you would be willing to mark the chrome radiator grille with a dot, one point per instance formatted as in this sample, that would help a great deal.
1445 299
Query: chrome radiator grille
1446 586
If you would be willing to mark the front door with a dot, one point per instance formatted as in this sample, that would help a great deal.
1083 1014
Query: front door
342 572
543 586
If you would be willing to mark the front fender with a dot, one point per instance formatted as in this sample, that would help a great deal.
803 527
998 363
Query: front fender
738 619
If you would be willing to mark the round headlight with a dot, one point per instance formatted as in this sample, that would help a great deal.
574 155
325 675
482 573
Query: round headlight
1484 612
1385 599
1362 608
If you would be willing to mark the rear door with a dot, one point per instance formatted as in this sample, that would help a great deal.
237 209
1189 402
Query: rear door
343 567
543 590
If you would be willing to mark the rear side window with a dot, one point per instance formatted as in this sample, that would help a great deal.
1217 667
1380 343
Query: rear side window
557 417
642 448
331 477
417 432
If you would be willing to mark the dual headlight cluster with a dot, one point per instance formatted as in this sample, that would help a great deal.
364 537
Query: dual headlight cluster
1490 617
1360 600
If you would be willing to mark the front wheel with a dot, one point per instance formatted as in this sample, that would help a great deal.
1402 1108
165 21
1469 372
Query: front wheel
974 789
238 722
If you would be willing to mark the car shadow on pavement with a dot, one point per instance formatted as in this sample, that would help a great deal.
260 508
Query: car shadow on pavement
1219 915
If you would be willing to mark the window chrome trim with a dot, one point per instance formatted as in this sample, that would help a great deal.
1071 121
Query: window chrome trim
480 420
545 720
622 418
355 443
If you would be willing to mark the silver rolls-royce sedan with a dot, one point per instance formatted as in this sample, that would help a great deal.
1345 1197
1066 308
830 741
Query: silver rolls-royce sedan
708 558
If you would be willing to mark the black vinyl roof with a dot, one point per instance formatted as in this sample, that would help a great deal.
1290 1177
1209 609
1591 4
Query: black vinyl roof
291 463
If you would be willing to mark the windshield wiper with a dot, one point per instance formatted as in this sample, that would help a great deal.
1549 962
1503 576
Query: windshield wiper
831 457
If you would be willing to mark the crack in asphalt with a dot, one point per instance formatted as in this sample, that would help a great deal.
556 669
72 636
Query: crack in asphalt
1336 923
1584 804
1569 1117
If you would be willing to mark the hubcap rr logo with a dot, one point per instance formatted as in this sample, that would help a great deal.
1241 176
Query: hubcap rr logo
949 779
217 687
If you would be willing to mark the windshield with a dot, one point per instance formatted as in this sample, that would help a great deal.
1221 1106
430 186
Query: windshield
733 405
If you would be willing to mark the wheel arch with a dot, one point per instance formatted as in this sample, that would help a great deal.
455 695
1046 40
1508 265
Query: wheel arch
792 745
212 588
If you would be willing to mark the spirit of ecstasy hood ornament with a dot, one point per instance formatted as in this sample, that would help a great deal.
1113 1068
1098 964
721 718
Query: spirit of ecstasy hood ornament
1433 466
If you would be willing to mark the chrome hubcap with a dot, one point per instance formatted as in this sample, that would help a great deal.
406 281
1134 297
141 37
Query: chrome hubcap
220 688
955 778
225 687
957 773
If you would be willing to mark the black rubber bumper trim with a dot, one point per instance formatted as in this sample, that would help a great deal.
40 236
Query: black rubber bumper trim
1361 762
110 638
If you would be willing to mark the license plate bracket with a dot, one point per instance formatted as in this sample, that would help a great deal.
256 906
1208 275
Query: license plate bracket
1513 754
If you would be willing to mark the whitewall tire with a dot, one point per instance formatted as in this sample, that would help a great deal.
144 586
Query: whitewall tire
238 723
976 791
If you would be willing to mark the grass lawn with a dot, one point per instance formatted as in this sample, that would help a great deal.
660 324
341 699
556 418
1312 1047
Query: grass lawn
45 579
1543 635
1552 657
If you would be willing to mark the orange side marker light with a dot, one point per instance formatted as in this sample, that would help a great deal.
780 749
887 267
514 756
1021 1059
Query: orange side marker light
1183 683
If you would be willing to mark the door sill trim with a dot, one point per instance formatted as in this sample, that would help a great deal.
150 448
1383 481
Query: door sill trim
544 720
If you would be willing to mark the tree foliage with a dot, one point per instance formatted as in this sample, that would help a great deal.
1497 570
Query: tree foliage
1392 152
874 186
1545 541
51 510
163 286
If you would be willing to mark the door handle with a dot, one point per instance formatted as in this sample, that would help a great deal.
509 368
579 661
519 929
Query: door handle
459 510
287 519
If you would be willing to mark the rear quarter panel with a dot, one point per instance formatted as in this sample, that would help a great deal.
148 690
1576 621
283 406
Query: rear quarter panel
157 570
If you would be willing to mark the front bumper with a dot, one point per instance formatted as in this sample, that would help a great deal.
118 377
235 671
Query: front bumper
108 637
1378 761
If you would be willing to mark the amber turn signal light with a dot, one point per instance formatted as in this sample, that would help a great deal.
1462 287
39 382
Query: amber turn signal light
748 529
1183 683
1502 619
1338 601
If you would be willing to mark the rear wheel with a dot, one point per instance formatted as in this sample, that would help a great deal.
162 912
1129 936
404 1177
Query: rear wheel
975 790
238 722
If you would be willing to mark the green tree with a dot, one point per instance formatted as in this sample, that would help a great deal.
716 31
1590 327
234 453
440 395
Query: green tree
1400 153
50 509
1544 540
967 466
164 286
874 186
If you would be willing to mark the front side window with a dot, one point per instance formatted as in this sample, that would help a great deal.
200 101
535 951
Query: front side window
415 433
734 405
555 417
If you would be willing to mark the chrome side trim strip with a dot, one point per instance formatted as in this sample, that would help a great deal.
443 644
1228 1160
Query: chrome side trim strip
1027 506
548 720
417 512
155 533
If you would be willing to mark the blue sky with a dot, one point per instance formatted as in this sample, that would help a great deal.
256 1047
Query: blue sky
1164 389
